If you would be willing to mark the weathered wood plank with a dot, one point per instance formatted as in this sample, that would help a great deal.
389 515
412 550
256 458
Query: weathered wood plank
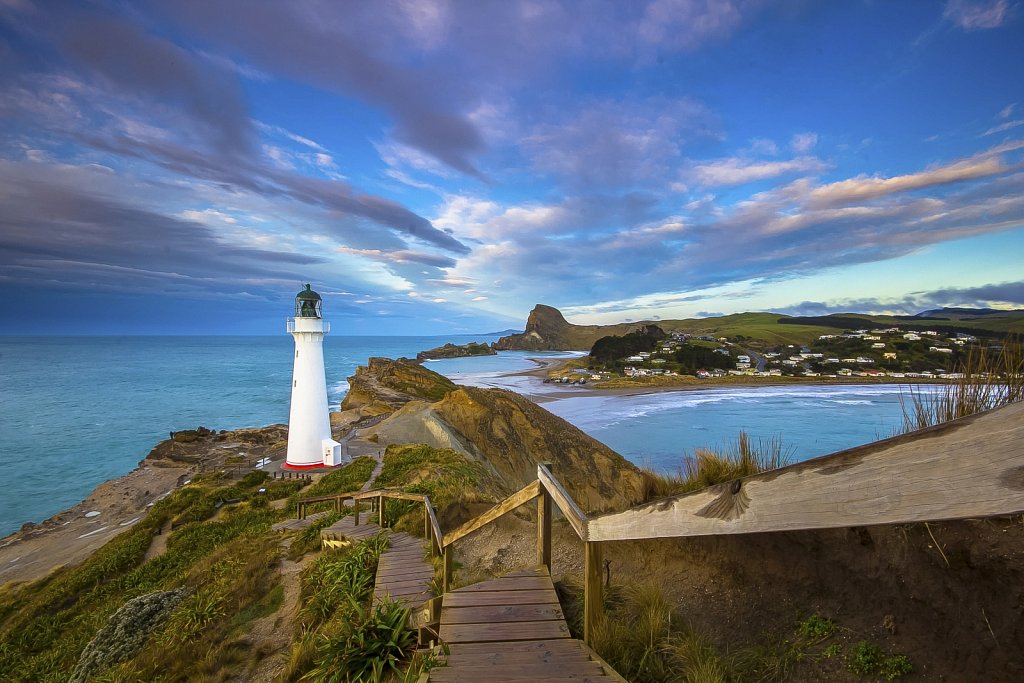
438 535
501 614
519 583
479 633
522 671
523 495
593 589
517 597
570 510
539 647
972 467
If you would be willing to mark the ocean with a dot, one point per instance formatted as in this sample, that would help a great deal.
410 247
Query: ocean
76 411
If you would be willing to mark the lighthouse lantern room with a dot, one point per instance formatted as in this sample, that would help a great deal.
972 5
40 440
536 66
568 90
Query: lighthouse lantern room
309 425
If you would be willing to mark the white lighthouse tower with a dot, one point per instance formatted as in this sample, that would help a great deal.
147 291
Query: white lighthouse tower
309 426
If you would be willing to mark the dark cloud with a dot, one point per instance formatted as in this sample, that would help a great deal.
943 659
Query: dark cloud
147 65
263 180
337 47
983 296
54 235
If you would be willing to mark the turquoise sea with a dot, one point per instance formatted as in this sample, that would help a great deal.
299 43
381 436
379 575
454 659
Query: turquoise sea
76 411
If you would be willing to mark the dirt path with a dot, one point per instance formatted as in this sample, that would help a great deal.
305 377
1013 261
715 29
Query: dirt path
272 635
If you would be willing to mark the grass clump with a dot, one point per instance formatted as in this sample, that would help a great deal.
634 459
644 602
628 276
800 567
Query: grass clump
46 625
708 467
446 476
339 637
645 640
868 659
986 380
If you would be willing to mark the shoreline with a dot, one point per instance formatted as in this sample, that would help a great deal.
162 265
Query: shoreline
70 536
545 366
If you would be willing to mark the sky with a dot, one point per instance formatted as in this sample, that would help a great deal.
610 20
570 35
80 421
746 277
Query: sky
440 167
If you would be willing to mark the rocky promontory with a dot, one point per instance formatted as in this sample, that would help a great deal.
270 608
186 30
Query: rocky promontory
548 330
456 351
384 385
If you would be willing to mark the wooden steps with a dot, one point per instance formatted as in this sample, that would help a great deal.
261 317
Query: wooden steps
512 629
290 524
403 573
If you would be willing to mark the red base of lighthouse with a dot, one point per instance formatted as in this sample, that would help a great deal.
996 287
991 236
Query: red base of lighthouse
317 466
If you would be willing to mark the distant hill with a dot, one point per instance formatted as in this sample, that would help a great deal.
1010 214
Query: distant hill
548 330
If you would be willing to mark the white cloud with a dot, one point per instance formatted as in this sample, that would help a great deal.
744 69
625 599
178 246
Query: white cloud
1008 125
1007 111
973 16
736 171
801 143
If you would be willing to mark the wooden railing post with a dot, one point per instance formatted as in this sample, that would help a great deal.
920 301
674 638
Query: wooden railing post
446 576
426 525
593 590
435 547
380 510
544 525
355 511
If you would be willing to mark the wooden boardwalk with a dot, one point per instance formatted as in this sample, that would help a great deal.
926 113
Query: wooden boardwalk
403 574
512 629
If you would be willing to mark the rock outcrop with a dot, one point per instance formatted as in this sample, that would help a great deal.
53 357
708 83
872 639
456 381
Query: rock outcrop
456 351
383 386
211 448
548 330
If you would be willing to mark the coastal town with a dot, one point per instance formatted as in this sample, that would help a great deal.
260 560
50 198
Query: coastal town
890 352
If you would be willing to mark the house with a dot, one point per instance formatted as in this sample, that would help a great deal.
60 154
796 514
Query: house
658 361
931 333
635 359
724 352
845 372
826 336
865 361
889 355
871 337
743 359
878 345
910 336
940 349
742 366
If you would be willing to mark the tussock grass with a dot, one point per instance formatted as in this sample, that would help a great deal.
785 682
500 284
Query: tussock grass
987 380
645 640
45 625
349 478
339 636
707 467
446 476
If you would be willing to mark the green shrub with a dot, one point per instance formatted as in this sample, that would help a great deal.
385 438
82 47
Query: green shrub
369 644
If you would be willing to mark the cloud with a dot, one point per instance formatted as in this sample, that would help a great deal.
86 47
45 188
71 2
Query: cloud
995 295
736 170
400 256
55 232
688 24
973 16
801 143
345 52
131 59
1007 125
618 144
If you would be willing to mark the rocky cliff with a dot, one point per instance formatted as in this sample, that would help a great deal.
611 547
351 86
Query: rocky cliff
505 432
384 385
548 330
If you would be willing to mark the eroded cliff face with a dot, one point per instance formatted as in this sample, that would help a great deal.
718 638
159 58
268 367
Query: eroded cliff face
507 433
548 330
512 435
383 386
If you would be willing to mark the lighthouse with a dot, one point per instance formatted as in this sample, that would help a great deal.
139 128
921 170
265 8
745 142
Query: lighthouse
309 426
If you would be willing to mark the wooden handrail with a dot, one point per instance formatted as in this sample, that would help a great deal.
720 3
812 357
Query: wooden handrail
979 472
570 510
435 527
523 495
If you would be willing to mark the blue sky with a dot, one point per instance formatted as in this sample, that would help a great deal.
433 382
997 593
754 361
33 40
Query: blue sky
433 167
